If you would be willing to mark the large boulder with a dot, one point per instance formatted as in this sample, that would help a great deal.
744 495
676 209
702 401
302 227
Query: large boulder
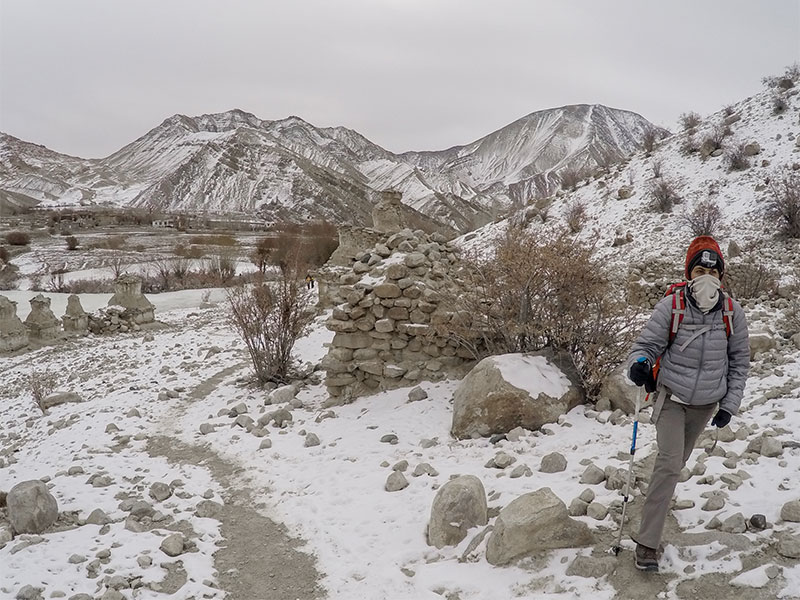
533 522
459 505
760 341
511 390
619 391
31 507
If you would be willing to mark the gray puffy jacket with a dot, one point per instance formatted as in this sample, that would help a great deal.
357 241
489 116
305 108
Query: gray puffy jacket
711 367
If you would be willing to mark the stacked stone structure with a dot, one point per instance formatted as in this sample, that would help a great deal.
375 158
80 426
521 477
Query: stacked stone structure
128 295
75 320
13 334
388 327
42 324
647 283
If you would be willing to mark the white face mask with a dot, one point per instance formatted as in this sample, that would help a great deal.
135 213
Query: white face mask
705 291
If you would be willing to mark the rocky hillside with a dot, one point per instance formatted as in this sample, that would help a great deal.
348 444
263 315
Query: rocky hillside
728 159
289 169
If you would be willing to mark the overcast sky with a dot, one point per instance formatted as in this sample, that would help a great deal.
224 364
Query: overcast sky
87 77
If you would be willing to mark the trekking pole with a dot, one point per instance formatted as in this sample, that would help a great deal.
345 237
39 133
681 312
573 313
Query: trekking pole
616 548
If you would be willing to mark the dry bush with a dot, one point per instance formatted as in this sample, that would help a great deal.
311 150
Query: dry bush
213 240
784 203
664 195
181 268
72 242
18 238
41 384
728 110
536 293
193 251
89 286
690 145
55 282
750 279
658 167
704 219
649 141
112 242
9 275
4 255
736 158
779 104
260 256
270 318
162 274
713 140
570 178
689 120
223 266
575 215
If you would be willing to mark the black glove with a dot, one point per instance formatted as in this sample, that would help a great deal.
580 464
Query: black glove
642 375
722 418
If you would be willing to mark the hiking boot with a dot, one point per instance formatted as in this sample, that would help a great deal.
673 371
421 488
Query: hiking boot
646 559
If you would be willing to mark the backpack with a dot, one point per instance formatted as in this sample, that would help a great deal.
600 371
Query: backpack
678 293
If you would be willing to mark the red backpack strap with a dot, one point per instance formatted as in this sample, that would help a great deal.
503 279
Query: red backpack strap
678 310
727 313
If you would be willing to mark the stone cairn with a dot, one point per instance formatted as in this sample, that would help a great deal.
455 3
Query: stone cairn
127 309
387 328
42 324
13 334
75 320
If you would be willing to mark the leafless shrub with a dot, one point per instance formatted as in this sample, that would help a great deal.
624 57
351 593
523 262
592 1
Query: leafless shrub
713 140
9 275
664 195
528 297
575 215
270 318
689 120
118 266
570 178
18 238
750 279
649 141
779 104
703 219
213 240
223 266
193 251
41 384
162 273
112 242
690 145
792 73
728 110
789 322
55 283
88 286
181 268
72 242
784 203
657 165
736 158
4 255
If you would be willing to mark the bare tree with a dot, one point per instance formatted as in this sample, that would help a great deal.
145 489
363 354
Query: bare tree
664 195
270 318
41 384
575 215
689 120
703 219
784 203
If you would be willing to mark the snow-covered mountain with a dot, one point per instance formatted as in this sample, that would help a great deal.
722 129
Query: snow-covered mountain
694 175
234 162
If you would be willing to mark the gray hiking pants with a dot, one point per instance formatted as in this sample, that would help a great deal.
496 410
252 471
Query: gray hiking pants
677 430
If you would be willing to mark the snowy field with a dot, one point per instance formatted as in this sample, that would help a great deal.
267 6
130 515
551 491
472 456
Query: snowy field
369 543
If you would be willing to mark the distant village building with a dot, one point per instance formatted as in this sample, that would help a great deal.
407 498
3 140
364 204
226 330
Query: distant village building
163 223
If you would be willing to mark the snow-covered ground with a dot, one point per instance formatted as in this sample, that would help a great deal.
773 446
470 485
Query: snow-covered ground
369 543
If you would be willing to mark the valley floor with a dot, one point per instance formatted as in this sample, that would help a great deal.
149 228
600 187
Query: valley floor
289 519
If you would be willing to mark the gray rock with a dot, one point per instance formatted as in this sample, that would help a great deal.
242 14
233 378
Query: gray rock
591 567
6 535
28 592
789 546
771 447
389 438
400 466
734 524
587 495
208 509
531 523
59 398
173 545
597 511
311 440
244 421
142 509
758 522
206 428
553 463
714 503
97 517
593 475
578 508
112 595
396 482
117 582
521 471
76 470
144 561
417 394
160 491
265 444
459 505
282 417
424 469
31 507
791 511
76 559
503 460
283 394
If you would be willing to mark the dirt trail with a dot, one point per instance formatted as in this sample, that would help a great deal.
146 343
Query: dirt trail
259 560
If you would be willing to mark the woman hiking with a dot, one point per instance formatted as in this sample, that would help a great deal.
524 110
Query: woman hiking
698 335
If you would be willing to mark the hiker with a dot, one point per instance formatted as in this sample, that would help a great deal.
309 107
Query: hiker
309 282
700 335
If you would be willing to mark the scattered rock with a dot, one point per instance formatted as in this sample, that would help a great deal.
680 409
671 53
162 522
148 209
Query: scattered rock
173 545
31 507
265 444
311 440
97 517
459 505
553 463
59 398
160 491
396 482
424 469
593 475
417 394
758 522
389 438
791 511
734 524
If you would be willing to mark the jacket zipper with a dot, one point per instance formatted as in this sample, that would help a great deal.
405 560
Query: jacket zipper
702 357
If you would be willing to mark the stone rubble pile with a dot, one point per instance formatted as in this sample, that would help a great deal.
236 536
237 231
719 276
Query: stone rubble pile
394 297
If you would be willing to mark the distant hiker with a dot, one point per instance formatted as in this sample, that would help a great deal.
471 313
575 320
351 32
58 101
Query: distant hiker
700 336
309 281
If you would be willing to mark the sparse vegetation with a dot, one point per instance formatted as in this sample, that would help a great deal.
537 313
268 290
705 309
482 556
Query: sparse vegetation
737 158
703 219
689 120
270 318
4 255
664 195
779 104
18 238
41 384
657 166
112 242
72 242
575 215
213 240
649 141
750 279
690 145
784 203
713 140
528 297
570 178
